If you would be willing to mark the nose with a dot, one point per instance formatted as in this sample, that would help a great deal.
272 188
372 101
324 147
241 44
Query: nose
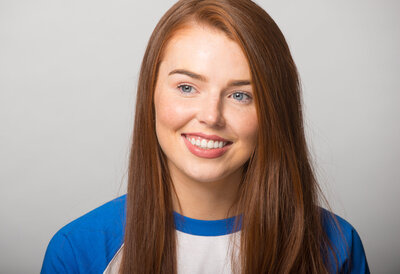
211 112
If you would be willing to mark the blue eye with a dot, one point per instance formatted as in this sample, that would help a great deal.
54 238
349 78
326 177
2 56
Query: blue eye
241 97
185 88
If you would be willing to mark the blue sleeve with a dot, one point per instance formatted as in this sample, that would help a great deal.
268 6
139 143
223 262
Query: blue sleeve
347 246
87 244
358 260
59 257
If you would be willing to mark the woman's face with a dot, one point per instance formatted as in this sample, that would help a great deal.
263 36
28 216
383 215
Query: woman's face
206 121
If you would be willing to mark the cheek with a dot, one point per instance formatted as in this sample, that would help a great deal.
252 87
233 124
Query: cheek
245 125
171 113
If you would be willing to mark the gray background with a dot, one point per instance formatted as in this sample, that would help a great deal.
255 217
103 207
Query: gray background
68 71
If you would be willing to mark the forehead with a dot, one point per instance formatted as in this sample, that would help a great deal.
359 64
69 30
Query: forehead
206 50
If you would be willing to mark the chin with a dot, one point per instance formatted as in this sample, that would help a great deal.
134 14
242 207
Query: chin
206 178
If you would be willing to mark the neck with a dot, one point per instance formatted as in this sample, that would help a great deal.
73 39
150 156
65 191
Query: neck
205 200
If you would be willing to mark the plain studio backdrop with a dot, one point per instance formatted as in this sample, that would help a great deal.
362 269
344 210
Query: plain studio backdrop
68 75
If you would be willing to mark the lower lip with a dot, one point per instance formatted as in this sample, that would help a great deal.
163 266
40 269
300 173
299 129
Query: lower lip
205 153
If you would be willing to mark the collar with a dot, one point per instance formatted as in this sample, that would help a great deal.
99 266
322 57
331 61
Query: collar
206 227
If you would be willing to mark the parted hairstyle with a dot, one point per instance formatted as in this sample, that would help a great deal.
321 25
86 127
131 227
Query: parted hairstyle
278 197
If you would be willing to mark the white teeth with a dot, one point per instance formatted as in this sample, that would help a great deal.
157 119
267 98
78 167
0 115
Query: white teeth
206 144
216 144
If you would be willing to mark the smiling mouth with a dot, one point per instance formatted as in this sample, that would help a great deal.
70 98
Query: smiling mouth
206 143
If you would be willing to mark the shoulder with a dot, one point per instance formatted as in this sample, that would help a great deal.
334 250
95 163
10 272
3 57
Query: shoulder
346 243
88 243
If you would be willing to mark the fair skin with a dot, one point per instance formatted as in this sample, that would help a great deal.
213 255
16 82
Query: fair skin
206 120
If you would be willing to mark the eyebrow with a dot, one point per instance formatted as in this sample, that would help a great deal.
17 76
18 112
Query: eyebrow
233 83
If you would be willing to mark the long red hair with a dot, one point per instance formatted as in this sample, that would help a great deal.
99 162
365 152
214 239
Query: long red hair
281 229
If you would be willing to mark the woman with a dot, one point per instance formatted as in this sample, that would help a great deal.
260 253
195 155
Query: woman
219 179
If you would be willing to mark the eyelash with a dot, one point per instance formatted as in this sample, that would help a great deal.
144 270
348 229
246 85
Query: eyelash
249 98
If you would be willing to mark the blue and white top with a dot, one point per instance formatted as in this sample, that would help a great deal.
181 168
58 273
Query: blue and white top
93 243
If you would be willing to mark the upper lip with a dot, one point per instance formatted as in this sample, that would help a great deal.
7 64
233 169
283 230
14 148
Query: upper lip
206 136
